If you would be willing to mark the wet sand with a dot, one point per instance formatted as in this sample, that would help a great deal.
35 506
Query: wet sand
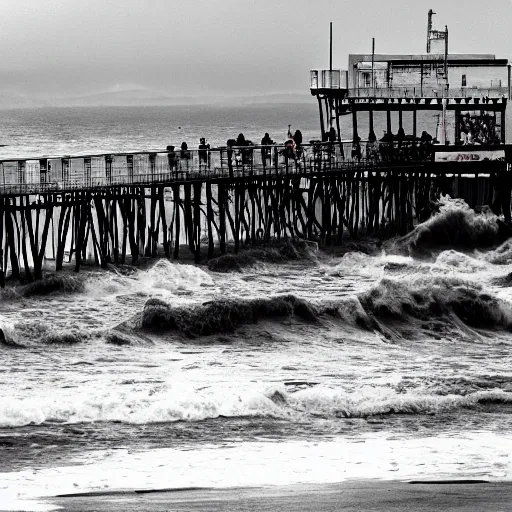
370 495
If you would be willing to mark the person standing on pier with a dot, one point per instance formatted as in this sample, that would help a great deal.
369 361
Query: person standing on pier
203 153
184 156
229 153
265 151
172 159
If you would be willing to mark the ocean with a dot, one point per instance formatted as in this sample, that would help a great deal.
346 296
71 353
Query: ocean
292 366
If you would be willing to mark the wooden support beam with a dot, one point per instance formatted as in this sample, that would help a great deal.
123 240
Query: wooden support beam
354 123
188 220
197 220
221 199
338 129
177 218
165 234
503 124
209 219
236 231
320 108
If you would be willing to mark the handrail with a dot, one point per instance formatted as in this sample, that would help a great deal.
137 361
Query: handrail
417 91
34 176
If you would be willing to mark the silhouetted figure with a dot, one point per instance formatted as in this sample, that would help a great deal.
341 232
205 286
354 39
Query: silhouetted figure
242 155
425 137
372 147
267 141
297 137
203 152
229 150
413 151
356 148
425 145
400 136
265 152
332 135
184 155
172 158
387 137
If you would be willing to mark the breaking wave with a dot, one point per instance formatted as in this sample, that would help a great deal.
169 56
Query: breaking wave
278 252
424 298
456 226
222 315
437 297
175 277
187 405
53 283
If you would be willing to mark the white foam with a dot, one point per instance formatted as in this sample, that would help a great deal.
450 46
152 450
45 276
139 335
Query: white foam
457 455
132 406
454 261
184 403
176 278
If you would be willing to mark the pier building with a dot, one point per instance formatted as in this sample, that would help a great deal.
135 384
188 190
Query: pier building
468 91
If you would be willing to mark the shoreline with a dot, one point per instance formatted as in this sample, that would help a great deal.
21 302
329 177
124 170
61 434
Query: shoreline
446 495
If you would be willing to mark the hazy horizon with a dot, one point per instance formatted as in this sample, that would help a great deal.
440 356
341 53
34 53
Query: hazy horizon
62 51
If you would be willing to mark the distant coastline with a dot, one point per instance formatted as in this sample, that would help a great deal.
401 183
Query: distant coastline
142 98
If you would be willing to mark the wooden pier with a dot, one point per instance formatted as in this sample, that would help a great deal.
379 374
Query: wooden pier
119 207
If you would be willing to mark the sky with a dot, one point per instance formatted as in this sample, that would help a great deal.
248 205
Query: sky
70 48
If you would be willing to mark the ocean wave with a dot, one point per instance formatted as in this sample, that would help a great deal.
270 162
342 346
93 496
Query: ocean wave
219 316
427 298
436 297
31 333
277 252
502 255
53 283
372 401
7 335
456 226
185 405
60 283
64 337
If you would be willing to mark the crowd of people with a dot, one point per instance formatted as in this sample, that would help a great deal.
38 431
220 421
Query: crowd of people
399 147
240 152
478 130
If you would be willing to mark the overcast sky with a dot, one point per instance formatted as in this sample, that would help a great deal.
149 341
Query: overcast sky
52 48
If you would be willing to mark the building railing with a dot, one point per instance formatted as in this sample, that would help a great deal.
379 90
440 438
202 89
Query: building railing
32 176
337 79
415 91
327 79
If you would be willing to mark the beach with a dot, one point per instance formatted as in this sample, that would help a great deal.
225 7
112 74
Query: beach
355 495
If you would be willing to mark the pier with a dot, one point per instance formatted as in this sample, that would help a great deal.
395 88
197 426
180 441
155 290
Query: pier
119 207
116 208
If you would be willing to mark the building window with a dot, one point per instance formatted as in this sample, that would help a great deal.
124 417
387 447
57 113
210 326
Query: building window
367 79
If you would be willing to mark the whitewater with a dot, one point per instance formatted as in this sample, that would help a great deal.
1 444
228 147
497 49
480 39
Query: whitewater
285 364
315 368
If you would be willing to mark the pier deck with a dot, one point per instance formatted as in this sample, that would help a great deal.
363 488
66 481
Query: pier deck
108 208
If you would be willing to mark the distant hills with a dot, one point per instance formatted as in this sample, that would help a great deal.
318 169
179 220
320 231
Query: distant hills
147 97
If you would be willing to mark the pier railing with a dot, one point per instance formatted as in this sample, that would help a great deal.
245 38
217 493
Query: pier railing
415 91
31 176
